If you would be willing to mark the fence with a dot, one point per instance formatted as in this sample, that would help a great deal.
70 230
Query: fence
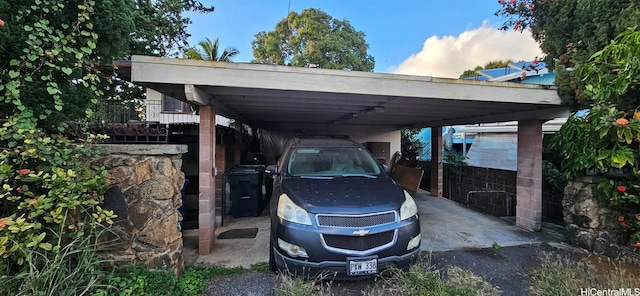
489 190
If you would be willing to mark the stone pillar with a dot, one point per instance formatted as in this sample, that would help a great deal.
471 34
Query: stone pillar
529 178
436 161
206 174
145 183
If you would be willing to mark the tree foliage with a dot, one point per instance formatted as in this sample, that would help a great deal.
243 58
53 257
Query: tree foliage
210 51
50 54
608 137
489 65
410 145
48 195
121 28
161 27
313 37
569 32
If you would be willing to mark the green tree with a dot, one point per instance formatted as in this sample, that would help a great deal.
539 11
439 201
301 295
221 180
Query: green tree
410 145
569 32
52 61
313 37
161 27
122 28
209 51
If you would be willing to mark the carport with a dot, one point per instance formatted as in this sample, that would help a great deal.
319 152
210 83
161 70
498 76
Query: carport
309 100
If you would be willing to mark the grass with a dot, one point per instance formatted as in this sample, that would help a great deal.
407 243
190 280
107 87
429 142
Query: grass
421 279
71 271
561 275
295 286
194 280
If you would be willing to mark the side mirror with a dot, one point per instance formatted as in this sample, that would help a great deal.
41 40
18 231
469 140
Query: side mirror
272 169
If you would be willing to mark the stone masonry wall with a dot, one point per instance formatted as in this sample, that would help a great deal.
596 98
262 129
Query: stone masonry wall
591 225
145 183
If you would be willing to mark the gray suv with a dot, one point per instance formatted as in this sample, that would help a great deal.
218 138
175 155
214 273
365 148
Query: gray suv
334 210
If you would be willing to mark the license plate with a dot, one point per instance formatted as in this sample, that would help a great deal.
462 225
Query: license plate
362 266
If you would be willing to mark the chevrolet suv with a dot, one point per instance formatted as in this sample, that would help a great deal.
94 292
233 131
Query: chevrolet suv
335 211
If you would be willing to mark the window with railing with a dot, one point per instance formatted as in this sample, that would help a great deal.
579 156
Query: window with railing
172 105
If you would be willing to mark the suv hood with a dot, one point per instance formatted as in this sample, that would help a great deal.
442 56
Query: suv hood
344 195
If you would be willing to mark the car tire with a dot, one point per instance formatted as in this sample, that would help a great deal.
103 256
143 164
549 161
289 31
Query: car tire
272 257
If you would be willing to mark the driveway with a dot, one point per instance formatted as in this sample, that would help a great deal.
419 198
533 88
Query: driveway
446 226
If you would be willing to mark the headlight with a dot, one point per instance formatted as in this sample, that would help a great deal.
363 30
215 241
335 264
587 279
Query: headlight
408 208
289 211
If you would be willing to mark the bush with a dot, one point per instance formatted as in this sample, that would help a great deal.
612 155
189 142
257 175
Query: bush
607 138
48 197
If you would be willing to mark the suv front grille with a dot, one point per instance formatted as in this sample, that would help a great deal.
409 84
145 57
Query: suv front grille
358 243
359 221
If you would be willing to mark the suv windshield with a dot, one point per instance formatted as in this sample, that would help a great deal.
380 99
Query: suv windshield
331 162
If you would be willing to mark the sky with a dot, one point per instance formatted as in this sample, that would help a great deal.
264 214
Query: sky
418 37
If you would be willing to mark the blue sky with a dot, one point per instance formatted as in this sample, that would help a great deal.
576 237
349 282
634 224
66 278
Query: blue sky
420 37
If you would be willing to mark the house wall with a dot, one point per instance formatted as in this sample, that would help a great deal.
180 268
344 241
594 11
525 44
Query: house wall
154 112
359 133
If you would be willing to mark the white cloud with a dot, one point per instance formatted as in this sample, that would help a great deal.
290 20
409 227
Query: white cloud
449 56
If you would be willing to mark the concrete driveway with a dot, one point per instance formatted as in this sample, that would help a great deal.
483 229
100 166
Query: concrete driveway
446 226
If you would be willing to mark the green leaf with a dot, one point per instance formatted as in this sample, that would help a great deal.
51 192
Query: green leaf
45 246
52 91
620 158
496 246
59 108
13 74
66 70
14 62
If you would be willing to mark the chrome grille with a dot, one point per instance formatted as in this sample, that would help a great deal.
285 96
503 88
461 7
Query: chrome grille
358 243
359 221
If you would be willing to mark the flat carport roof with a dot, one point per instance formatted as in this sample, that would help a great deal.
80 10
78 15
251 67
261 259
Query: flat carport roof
267 96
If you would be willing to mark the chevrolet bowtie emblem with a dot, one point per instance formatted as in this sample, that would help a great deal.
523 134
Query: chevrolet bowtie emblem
361 232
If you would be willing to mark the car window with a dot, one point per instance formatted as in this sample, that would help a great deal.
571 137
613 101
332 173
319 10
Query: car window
331 162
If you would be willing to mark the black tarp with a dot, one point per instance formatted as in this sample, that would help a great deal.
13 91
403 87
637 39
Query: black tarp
272 144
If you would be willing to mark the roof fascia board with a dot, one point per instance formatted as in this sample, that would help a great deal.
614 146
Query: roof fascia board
179 71
540 114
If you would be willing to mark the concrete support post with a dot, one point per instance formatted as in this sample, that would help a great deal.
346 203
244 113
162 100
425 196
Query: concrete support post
436 161
529 179
206 174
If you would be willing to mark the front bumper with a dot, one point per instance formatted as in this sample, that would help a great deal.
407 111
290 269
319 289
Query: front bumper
331 261
338 269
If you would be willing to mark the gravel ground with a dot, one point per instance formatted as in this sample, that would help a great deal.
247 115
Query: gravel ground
507 269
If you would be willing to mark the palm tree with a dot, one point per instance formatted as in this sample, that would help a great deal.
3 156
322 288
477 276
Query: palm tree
209 51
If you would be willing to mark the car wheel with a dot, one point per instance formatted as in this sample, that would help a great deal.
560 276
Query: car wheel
272 258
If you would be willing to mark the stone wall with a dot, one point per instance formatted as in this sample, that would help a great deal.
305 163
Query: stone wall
591 225
145 183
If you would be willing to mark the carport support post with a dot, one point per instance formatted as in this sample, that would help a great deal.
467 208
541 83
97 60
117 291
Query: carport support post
206 174
529 179
436 161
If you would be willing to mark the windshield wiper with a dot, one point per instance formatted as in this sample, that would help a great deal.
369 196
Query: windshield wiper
359 175
316 177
